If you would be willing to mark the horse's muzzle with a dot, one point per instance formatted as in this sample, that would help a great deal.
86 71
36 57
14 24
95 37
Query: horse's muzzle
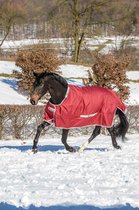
34 99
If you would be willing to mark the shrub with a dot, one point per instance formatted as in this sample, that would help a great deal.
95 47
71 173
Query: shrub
3 119
38 60
21 121
110 71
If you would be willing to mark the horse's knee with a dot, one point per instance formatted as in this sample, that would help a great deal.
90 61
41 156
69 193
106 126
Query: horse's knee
39 128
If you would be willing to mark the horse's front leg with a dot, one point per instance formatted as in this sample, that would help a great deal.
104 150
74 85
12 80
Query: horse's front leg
36 139
64 140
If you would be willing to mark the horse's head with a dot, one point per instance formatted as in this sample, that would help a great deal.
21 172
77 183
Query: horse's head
39 88
51 82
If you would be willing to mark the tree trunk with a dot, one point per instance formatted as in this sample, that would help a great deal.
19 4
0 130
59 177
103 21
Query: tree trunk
7 32
76 31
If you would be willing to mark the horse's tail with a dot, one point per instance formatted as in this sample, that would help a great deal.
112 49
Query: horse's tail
122 127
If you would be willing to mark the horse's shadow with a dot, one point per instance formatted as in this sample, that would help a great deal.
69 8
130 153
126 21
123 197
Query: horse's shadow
5 206
44 148
50 148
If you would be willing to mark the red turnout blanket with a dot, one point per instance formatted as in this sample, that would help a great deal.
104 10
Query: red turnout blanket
84 106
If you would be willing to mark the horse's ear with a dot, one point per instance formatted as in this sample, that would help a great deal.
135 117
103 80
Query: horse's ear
35 74
39 75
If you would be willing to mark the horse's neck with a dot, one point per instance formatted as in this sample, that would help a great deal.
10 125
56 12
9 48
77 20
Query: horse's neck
57 92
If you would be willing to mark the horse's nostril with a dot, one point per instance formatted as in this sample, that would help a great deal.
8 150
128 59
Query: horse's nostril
32 102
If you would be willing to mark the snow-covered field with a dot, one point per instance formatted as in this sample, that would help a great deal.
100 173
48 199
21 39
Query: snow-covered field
54 179
99 177
109 42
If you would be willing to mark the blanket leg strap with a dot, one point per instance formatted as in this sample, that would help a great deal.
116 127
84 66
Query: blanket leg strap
82 148
95 133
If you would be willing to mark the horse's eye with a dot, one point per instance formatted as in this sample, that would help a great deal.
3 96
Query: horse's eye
41 82
38 83
41 85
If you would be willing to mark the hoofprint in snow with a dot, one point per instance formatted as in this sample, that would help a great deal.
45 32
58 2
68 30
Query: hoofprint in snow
100 176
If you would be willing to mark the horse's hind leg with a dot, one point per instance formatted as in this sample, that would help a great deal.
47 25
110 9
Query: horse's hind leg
113 137
64 140
95 133
36 139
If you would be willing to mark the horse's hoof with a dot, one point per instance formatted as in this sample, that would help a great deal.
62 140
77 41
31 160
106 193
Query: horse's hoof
118 147
71 149
34 151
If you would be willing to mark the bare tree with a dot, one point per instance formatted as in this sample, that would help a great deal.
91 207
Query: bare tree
11 12
76 18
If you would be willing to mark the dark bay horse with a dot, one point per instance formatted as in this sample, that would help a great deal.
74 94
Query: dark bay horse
59 110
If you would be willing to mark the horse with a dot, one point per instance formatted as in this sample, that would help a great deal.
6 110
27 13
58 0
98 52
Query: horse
60 109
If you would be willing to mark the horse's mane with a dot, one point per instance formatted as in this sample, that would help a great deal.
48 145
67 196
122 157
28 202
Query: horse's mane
58 78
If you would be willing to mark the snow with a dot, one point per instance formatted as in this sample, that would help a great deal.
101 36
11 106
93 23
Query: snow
9 93
74 71
134 94
100 176
7 67
133 75
20 43
109 42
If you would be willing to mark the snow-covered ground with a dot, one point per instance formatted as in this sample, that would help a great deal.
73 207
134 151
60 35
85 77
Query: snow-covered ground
99 177
109 42
54 179
9 93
